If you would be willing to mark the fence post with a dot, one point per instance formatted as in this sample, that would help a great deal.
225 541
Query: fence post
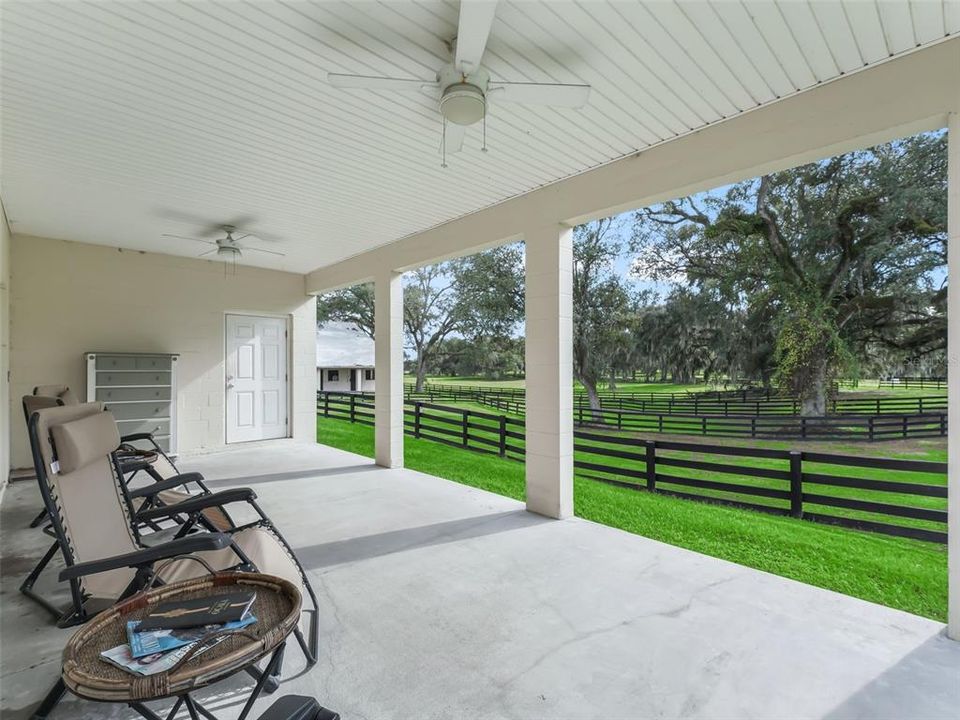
326 404
703 425
803 426
660 422
353 408
920 404
651 465
904 427
416 419
870 427
796 484
466 432
503 436
753 426
620 418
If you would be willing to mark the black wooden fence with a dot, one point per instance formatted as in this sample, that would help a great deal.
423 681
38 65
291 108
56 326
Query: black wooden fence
703 403
937 383
869 428
697 405
906 498
458 427
818 487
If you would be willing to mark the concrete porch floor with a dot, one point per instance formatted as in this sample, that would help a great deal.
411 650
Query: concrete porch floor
441 601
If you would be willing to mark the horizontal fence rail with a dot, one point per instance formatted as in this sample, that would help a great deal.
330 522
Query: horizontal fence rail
854 427
904 498
774 406
701 403
937 383
871 428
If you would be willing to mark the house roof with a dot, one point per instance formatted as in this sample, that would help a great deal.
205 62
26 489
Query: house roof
342 345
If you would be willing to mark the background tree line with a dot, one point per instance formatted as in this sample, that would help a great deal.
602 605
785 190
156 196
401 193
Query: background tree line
789 280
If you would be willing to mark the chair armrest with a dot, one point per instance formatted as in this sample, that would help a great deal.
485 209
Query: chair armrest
134 437
200 502
168 484
184 546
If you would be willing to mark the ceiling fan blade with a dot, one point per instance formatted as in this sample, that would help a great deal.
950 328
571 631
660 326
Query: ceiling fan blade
184 237
454 138
270 252
555 94
374 82
473 29
208 252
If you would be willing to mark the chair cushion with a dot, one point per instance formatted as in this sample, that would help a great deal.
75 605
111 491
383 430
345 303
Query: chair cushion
80 442
32 403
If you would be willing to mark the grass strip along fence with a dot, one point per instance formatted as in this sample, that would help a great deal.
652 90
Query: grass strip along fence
904 498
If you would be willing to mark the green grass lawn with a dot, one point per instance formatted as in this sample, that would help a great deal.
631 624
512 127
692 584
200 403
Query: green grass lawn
905 574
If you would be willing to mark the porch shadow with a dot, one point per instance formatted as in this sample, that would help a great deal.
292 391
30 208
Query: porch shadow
899 690
365 547
292 475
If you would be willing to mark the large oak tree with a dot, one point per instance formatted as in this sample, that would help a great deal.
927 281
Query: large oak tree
828 260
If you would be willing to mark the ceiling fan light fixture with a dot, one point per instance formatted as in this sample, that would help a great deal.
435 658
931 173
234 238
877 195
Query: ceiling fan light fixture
228 251
463 104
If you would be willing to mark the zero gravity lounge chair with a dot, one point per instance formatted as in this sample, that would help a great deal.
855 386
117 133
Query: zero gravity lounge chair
167 486
106 559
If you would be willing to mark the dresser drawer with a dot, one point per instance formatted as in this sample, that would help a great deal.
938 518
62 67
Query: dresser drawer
133 362
128 394
156 427
115 379
140 411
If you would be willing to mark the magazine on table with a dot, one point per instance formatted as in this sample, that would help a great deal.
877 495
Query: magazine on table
149 642
152 664
194 612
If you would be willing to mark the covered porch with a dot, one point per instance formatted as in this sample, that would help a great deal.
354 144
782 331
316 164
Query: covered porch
443 601
437 600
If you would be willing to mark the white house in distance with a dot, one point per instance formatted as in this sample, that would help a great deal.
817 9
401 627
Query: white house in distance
344 358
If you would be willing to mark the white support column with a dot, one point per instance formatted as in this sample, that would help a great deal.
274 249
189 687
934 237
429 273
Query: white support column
549 370
953 374
388 319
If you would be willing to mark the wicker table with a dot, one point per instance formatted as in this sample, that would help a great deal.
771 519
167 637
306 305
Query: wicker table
85 674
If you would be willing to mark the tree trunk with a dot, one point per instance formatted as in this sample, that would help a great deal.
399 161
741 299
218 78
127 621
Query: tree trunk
421 372
590 385
613 380
813 401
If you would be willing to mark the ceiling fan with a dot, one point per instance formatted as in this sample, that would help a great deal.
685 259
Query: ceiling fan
228 247
463 87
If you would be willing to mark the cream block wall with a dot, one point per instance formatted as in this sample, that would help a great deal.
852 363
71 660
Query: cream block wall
68 298
4 348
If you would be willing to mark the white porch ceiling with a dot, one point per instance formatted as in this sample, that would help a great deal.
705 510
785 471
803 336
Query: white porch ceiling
123 120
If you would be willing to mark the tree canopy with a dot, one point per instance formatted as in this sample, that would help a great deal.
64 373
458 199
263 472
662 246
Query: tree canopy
789 279
823 263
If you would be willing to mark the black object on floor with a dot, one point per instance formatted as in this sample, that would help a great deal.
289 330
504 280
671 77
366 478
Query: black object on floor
297 707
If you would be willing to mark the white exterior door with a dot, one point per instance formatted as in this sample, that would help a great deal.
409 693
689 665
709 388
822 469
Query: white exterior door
256 378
